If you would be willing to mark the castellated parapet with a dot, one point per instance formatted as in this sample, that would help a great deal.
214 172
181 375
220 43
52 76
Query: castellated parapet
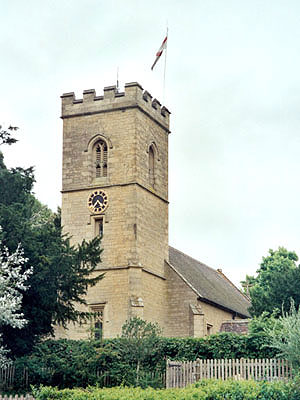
133 97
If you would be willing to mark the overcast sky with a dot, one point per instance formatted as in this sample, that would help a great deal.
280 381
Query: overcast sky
232 85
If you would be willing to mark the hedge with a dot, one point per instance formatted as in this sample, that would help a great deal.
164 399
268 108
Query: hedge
204 390
68 363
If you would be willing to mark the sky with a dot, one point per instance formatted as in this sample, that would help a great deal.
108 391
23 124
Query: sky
232 84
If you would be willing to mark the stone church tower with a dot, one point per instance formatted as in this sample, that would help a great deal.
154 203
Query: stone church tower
115 184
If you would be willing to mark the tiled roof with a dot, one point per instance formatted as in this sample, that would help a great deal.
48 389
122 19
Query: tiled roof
212 286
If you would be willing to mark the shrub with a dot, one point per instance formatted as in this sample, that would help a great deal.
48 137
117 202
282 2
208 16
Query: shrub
285 336
69 363
204 390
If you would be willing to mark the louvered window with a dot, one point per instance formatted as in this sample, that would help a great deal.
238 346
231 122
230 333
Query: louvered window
151 166
98 321
99 227
100 159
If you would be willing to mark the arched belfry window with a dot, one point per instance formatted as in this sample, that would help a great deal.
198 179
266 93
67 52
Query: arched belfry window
151 166
100 156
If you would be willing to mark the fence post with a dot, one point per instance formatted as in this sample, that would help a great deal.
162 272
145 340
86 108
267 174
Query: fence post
167 375
240 369
200 369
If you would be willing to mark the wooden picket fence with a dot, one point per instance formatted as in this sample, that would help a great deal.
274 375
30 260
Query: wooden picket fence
182 373
27 397
8 377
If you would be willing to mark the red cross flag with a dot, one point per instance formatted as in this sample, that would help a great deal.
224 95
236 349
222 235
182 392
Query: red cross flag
160 51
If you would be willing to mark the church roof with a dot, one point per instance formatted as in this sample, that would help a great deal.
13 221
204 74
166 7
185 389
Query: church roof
211 285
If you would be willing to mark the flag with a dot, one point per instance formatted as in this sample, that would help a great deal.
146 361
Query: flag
160 51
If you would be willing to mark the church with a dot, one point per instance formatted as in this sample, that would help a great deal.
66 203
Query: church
115 185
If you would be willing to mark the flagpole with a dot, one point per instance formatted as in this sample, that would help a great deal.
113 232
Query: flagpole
117 79
165 66
163 47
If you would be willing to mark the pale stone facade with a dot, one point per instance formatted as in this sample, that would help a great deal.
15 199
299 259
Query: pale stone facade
197 318
116 146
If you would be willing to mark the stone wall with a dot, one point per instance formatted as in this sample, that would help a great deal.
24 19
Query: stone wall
187 315
179 298
154 295
135 235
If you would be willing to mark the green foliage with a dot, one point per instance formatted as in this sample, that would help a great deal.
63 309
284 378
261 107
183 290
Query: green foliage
277 281
6 135
285 336
112 362
258 337
247 284
221 345
258 325
134 359
140 344
137 329
204 390
61 272
64 363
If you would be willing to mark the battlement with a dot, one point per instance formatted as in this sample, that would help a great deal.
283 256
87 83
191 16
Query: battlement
134 96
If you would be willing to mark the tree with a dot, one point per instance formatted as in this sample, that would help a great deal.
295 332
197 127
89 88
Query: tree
6 135
277 281
61 272
139 340
247 284
12 283
285 336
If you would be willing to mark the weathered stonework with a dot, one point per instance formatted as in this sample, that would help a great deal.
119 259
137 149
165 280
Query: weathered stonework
135 239
139 280
188 315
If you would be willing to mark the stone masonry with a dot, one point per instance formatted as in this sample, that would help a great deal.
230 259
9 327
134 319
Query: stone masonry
135 239
133 128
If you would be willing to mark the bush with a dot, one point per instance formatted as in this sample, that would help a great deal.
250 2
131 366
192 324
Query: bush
69 363
221 345
204 390
285 336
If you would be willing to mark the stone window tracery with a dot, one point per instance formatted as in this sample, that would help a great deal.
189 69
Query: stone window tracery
98 311
100 157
